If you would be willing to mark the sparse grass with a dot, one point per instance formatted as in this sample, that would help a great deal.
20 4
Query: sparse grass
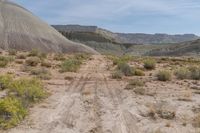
59 57
150 64
195 72
182 73
32 61
117 74
122 59
164 75
21 56
125 69
137 86
82 56
12 52
70 65
11 112
4 60
46 64
41 73
34 52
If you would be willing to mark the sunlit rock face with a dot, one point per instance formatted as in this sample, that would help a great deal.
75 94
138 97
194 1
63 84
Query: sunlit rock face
21 30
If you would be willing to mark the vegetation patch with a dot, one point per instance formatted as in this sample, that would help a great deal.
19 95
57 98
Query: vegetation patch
164 75
117 74
41 73
150 64
59 57
33 61
11 112
4 60
125 69
70 65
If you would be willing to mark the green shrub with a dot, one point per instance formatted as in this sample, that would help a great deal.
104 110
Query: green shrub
12 52
41 73
5 81
164 75
70 65
34 52
195 72
11 112
28 90
182 73
150 64
125 69
139 72
117 75
33 61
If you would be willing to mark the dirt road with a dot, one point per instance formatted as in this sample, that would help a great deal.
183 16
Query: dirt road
91 103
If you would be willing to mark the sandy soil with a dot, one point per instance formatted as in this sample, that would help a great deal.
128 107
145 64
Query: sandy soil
95 103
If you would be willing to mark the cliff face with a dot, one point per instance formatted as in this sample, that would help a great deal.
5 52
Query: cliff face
21 30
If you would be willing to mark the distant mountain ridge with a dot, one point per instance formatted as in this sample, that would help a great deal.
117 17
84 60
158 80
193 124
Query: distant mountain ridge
127 38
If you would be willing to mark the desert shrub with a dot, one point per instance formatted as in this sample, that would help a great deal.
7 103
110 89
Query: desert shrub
28 90
41 73
42 55
164 75
139 72
70 65
11 112
4 60
59 57
19 61
125 69
68 78
134 83
33 61
117 74
150 64
195 72
21 56
34 52
5 81
81 56
46 64
122 59
12 52
182 73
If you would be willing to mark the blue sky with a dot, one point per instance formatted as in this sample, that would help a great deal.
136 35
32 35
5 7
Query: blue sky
137 16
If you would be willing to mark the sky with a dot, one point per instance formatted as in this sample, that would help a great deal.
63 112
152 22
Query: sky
129 16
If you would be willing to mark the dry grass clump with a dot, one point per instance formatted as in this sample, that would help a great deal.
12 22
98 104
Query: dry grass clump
139 72
137 86
19 61
32 61
4 60
34 52
192 72
12 52
41 73
164 75
59 57
182 73
21 56
150 64
46 64
70 65
125 69
117 74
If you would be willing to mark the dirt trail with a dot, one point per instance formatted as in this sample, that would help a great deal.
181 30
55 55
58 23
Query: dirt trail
91 103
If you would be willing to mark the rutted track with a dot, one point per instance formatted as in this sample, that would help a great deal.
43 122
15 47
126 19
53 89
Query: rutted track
88 104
